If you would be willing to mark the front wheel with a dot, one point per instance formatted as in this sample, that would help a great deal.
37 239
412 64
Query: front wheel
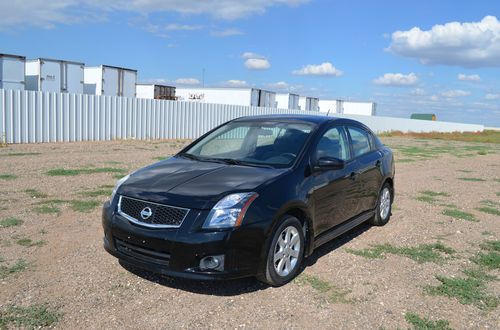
384 206
285 253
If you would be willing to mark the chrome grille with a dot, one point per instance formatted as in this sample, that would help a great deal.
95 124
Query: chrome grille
163 216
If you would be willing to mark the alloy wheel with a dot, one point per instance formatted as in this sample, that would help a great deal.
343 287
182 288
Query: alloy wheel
385 203
287 251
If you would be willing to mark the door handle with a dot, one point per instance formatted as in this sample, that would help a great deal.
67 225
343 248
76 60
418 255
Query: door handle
378 163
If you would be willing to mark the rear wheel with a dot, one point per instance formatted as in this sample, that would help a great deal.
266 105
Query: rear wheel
384 206
285 253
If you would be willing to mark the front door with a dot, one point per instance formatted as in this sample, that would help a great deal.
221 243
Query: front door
334 190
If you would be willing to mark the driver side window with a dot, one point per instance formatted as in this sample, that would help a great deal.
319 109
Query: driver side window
333 144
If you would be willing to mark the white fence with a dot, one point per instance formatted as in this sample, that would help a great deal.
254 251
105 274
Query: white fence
33 117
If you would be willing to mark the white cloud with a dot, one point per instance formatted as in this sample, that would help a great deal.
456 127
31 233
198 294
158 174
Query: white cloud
471 77
248 55
159 81
470 44
226 33
323 69
187 81
257 64
455 93
397 79
47 14
255 61
492 96
235 83
434 98
418 92
182 27
280 86
44 14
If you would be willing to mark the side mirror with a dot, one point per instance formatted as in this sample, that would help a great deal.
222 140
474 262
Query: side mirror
329 163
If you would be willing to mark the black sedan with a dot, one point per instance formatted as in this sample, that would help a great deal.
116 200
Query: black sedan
252 197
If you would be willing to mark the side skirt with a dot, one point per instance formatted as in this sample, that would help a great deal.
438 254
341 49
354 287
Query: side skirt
342 228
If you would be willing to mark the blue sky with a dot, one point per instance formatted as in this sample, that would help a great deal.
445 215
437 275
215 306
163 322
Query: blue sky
441 56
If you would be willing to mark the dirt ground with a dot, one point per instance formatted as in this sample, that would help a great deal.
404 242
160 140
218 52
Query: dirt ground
345 284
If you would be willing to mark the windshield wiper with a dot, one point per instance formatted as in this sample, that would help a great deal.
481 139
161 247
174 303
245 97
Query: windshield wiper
204 159
189 156
229 161
243 163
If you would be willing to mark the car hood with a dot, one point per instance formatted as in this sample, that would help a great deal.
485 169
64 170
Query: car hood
194 184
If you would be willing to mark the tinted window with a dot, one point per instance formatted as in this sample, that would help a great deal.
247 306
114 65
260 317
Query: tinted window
360 140
270 143
333 144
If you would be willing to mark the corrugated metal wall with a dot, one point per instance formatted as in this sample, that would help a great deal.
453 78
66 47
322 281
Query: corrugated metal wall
33 117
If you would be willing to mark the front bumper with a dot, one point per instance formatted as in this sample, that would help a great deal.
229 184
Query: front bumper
177 251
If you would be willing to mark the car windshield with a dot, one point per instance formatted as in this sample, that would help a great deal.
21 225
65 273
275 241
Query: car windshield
262 143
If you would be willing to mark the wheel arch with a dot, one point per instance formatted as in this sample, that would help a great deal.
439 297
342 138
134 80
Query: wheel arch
302 214
389 181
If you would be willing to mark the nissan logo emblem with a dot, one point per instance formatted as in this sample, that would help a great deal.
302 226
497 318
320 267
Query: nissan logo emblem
146 213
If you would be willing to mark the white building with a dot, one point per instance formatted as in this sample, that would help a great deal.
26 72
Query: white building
110 80
308 103
348 107
227 95
330 106
49 75
287 101
12 71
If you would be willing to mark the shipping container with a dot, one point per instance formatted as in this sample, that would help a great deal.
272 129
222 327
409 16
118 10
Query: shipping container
330 106
155 91
348 107
267 99
49 75
308 103
12 71
359 108
236 96
287 101
110 80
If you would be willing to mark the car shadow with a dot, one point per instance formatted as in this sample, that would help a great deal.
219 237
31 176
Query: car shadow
335 244
244 285
215 288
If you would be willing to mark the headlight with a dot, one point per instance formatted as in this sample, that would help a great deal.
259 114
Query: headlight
118 184
230 210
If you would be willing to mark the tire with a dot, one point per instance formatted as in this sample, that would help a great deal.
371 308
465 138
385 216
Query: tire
384 206
281 272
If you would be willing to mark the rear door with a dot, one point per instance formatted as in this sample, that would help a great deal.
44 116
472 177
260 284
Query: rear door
334 191
368 163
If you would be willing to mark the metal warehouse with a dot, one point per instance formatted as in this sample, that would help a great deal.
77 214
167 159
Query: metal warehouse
236 96
348 107
110 80
287 101
308 103
155 91
50 75
12 71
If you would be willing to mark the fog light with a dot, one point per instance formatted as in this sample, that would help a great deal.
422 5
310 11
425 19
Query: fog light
212 263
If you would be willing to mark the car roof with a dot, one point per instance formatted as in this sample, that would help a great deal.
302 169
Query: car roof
315 119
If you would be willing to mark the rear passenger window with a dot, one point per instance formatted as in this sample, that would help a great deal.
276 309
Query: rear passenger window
360 141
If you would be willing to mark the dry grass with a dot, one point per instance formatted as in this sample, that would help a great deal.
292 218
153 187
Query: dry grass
489 136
